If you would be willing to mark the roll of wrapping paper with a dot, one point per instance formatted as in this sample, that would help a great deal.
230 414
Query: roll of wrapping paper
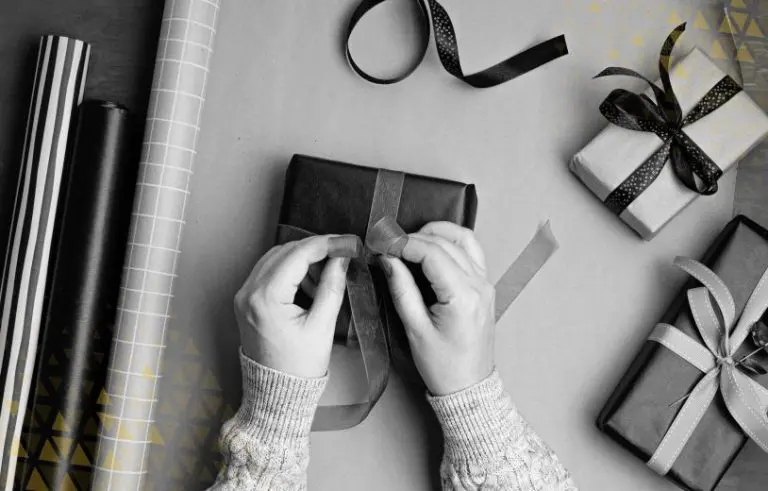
71 369
58 91
749 29
168 153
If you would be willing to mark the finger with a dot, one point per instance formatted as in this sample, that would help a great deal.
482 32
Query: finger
443 273
463 237
276 258
262 264
406 296
308 286
457 253
294 266
330 293
309 283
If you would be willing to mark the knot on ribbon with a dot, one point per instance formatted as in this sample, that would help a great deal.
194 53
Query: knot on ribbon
723 335
664 117
725 361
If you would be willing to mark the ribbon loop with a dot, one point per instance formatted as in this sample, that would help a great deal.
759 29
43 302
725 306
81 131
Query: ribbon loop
368 330
664 117
745 399
448 50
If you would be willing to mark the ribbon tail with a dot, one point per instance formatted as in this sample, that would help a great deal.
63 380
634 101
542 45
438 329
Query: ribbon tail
687 418
747 402
689 160
669 103
535 255
513 67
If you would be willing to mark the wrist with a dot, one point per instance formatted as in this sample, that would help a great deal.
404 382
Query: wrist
279 407
475 420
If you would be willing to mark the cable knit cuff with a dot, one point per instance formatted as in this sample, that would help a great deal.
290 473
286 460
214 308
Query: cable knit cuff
475 420
278 408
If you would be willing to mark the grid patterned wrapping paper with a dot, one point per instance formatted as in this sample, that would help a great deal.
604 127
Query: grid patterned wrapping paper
58 90
173 124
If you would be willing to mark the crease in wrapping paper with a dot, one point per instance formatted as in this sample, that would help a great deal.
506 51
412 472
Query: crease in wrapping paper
144 308
92 226
58 91
749 29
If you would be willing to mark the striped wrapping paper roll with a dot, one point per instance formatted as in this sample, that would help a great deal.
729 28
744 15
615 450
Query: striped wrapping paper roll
58 90
144 308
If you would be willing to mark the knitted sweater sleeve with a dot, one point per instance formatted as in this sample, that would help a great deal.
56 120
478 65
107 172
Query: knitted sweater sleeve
488 444
266 444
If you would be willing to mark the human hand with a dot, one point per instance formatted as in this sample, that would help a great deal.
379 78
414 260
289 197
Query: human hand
453 341
273 330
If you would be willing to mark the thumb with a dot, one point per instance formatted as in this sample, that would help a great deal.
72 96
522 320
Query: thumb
330 292
405 294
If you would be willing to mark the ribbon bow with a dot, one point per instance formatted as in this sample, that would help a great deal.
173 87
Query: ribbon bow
664 117
723 335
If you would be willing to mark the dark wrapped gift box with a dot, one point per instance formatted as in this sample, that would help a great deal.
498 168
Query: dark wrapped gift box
327 197
642 408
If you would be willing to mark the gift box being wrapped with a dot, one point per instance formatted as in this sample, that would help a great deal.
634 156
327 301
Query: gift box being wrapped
658 402
327 197
655 158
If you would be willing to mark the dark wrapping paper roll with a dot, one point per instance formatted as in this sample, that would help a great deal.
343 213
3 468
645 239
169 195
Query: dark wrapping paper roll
60 438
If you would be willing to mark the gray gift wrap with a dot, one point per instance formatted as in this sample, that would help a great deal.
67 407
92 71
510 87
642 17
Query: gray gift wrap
725 135
648 398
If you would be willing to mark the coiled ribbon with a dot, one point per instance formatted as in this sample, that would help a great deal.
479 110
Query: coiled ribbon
695 169
723 335
448 50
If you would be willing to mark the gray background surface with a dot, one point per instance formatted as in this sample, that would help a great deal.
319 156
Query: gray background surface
280 86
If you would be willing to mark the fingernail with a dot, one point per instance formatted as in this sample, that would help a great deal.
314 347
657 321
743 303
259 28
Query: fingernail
345 246
386 266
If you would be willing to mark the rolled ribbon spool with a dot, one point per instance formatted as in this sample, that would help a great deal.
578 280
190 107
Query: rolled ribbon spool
58 90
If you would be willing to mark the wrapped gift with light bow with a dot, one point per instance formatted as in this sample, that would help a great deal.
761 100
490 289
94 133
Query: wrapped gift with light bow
656 157
698 390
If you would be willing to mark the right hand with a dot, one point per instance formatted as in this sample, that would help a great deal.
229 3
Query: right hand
452 341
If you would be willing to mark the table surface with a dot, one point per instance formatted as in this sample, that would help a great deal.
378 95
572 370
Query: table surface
279 85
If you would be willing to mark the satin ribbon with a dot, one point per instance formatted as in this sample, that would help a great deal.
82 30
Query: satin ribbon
723 335
448 50
664 117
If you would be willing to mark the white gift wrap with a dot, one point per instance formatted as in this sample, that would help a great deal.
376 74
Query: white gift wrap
726 135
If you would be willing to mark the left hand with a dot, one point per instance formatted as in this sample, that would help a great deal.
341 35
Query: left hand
279 334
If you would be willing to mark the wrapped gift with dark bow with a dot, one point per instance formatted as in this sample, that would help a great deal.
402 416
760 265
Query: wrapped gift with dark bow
658 155
698 390
366 205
